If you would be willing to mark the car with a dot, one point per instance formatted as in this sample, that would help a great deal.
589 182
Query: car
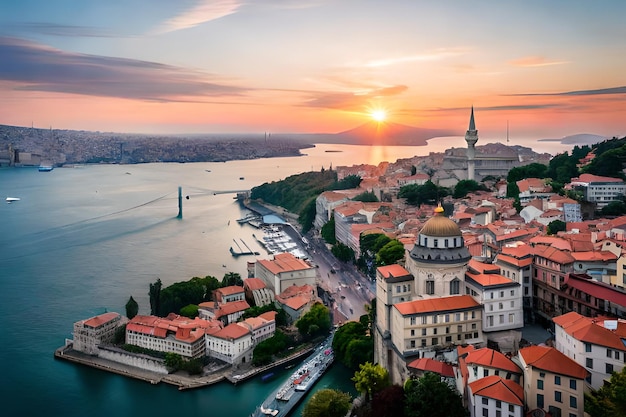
332 271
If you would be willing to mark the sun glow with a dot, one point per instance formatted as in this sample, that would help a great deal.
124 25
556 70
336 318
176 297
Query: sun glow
379 115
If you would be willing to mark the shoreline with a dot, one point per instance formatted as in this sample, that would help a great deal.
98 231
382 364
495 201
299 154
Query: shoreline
180 379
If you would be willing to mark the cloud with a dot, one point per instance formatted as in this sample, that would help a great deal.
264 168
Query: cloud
351 100
72 31
434 55
40 68
534 61
597 92
204 11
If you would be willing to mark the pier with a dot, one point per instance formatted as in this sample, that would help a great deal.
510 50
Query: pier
241 251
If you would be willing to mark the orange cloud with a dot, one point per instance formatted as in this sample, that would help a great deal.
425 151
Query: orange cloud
534 61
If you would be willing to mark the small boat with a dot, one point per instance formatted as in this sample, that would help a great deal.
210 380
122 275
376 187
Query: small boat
267 376
241 178
12 199
45 168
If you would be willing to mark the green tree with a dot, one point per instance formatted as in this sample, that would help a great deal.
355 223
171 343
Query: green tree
327 403
173 361
190 310
610 399
464 187
366 197
342 252
390 253
180 294
347 183
419 194
556 226
328 231
314 322
370 379
155 297
132 308
232 278
425 397
307 216
614 208
534 170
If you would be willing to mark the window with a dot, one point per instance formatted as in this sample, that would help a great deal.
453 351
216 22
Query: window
490 307
412 343
430 287
423 342
572 384
490 321
511 408
473 314
589 363
435 340
512 304
449 339
424 319
413 321
513 291
435 319
398 288
557 396
609 368
609 353
501 318
540 384
485 372
459 329
455 287
435 330
412 332
501 294
500 306
557 380
511 317
423 332
447 318
587 347
473 326
485 412
447 329
498 404
485 401
457 317
573 402
540 400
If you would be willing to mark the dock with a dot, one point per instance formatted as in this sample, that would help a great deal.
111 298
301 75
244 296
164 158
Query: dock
241 251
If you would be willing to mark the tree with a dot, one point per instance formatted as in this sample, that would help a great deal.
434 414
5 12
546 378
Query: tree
366 197
232 278
610 399
328 231
314 322
327 403
390 253
464 187
155 297
132 308
190 310
419 194
426 397
370 379
614 208
342 252
173 361
556 226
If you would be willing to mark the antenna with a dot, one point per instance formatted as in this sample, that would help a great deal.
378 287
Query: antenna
507 132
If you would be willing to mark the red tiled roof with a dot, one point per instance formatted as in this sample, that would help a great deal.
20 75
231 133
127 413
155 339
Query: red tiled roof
519 251
101 319
495 387
297 302
391 271
590 256
253 284
269 315
284 262
232 332
596 289
492 359
432 365
551 360
514 261
587 330
555 242
230 290
553 254
488 280
483 267
231 307
457 302
590 178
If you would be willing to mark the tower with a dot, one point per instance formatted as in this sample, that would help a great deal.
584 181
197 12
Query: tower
471 137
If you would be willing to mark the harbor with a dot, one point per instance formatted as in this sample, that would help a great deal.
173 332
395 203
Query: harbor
282 401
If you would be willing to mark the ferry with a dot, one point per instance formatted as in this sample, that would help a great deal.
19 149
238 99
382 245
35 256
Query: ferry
46 168
282 401
12 199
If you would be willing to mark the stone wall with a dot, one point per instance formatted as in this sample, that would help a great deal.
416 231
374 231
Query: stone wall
131 359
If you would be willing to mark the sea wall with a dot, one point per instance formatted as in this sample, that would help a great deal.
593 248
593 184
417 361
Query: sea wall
131 359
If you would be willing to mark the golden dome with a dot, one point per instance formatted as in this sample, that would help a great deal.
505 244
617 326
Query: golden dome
440 226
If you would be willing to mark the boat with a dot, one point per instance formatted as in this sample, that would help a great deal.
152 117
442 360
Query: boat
282 401
12 199
241 178
45 168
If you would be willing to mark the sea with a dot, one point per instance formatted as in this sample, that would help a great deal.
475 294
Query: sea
84 239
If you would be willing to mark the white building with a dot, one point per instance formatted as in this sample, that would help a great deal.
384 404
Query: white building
233 344
597 345
598 189
495 396
90 333
501 297
515 263
262 327
285 270
175 334
227 294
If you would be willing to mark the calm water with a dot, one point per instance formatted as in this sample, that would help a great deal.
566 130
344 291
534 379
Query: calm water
82 240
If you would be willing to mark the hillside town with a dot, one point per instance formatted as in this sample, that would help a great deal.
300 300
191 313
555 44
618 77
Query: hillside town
475 272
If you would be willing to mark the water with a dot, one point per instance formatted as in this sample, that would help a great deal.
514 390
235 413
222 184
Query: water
85 239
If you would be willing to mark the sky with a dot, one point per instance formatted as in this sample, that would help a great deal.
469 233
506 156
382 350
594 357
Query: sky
547 69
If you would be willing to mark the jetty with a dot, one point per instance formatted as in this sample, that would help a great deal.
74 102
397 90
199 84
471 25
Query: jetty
241 251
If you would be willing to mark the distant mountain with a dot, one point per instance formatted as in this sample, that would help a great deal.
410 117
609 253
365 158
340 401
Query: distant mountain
374 133
579 139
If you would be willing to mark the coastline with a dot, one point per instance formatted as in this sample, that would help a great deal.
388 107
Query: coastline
180 379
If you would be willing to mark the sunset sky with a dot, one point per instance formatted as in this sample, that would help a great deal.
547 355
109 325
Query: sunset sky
550 68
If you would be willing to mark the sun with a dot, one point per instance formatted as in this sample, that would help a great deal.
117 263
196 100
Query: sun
379 115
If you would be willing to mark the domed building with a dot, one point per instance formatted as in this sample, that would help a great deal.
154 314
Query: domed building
438 260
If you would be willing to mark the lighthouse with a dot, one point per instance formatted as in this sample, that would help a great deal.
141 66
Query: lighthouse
471 137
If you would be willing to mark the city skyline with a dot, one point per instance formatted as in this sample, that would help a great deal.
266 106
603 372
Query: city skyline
545 69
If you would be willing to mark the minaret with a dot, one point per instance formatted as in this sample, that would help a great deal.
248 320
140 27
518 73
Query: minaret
471 137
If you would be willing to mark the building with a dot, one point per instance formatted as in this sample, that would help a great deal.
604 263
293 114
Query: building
597 189
550 267
516 263
227 294
257 292
420 328
501 297
394 284
471 137
552 381
262 327
175 334
90 333
296 301
285 270
325 203
595 344
533 188
495 396
439 258
233 344
226 313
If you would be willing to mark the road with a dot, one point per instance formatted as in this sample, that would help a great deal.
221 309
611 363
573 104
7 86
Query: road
350 290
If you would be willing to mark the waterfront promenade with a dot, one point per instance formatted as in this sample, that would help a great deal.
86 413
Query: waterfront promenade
180 379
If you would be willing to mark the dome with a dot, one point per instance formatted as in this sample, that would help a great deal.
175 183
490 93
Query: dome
440 226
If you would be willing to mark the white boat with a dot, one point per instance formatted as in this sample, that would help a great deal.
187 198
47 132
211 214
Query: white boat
12 199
